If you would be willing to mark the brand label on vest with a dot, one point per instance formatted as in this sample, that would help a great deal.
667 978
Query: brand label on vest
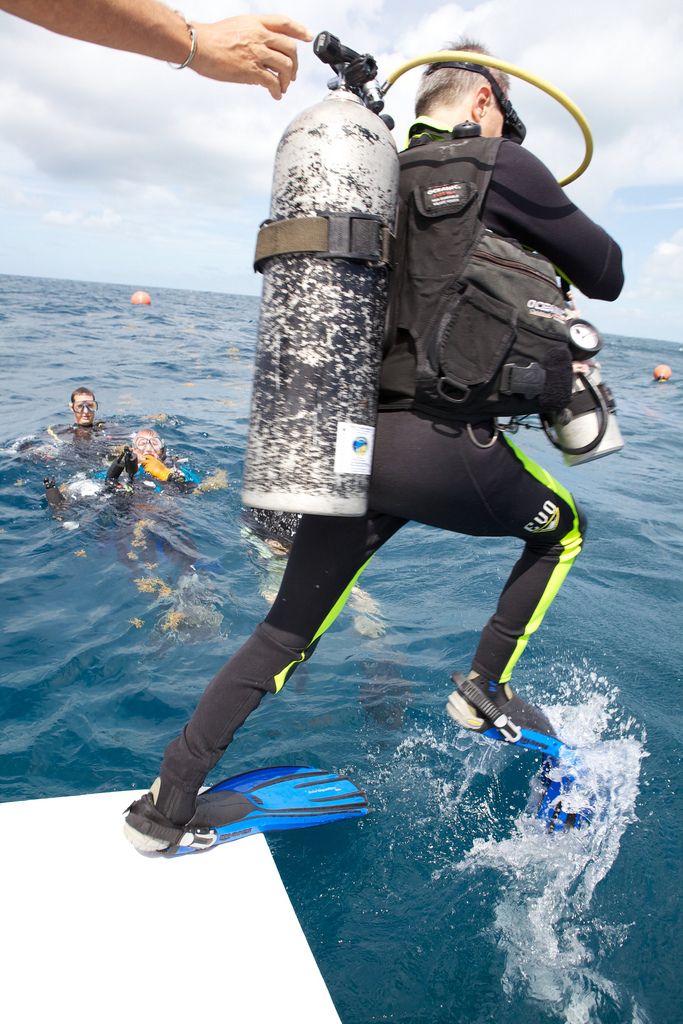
450 194
547 310
353 448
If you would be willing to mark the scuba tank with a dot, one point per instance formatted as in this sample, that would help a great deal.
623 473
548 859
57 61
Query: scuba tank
587 428
324 254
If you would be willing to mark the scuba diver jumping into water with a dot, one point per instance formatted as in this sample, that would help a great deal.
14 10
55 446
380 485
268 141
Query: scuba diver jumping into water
478 215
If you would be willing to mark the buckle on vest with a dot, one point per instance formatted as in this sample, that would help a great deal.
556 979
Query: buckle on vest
352 236
527 381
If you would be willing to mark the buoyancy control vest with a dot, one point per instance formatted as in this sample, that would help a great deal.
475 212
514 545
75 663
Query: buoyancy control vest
483 317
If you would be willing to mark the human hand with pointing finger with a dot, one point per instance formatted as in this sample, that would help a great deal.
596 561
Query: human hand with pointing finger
250 49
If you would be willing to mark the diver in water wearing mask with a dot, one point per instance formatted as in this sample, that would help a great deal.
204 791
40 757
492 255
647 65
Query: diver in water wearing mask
479 216
143 463
148 459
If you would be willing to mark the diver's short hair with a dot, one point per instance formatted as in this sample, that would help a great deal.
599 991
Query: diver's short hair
82 391
450 85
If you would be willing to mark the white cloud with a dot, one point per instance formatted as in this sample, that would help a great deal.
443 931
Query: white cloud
106 219
62 218
662 275
17 198
651 207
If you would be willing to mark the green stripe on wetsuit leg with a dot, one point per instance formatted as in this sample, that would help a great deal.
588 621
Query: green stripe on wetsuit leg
571 546
282 677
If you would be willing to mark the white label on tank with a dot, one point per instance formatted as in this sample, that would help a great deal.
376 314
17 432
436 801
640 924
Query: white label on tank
353 450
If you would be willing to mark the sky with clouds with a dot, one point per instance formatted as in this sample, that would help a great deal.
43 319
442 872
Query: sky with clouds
115 168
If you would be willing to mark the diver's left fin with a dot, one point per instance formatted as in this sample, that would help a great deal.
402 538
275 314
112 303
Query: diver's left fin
270 800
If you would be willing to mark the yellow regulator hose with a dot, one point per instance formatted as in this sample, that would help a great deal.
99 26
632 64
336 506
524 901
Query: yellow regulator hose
510 69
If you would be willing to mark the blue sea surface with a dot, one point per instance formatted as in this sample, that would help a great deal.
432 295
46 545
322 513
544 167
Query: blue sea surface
447 904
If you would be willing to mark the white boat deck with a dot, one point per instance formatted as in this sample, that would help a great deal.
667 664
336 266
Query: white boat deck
93 931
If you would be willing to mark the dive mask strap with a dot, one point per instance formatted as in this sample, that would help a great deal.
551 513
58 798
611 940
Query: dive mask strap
513 126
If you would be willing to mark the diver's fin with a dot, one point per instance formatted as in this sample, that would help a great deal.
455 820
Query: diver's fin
530 739
566 802
269 800
562 799
563 803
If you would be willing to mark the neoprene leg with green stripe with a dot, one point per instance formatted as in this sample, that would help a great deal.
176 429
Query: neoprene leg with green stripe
327 557
555 539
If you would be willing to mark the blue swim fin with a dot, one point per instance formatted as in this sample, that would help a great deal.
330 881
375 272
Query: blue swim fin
530 739
269 800
564 803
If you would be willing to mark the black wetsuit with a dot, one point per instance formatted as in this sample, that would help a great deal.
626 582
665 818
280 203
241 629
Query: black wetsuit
457 477
98 433
85 445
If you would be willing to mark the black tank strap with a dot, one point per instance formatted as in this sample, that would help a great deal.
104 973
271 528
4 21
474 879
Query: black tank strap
351 236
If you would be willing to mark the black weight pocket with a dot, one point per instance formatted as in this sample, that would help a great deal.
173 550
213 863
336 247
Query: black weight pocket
473 339
537 375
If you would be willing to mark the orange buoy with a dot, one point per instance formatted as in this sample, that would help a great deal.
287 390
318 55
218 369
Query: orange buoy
661 372
140 299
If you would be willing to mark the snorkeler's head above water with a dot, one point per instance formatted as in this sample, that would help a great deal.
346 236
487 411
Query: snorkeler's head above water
147 442
84 406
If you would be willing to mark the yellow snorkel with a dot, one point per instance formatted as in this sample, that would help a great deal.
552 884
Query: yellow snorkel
470 57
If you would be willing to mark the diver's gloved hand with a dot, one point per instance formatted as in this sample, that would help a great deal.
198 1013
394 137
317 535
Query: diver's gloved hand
116 468
55 498
130 463
151 823
125 461
167 474
156 468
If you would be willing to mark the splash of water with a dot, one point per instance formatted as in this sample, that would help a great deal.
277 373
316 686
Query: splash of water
543 918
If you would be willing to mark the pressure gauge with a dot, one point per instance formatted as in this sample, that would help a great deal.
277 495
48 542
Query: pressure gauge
586 340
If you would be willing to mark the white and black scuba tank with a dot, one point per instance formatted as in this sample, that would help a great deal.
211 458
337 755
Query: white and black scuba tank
324 254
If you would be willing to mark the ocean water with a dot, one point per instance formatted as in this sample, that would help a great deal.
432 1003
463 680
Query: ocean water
447 904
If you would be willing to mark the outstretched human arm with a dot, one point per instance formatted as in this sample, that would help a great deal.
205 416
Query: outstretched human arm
525 202
252 50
